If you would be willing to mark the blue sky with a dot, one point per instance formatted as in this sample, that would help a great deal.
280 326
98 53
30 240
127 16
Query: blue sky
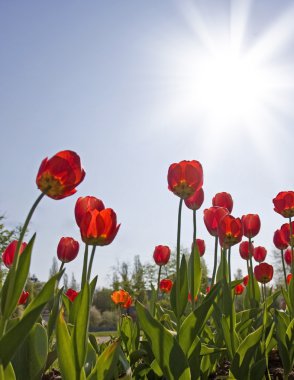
127 86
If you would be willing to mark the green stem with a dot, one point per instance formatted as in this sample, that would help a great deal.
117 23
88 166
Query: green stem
284 269
85 264
178 276
229 265
91 262
292 246
215 261
251 271
193 253
158 282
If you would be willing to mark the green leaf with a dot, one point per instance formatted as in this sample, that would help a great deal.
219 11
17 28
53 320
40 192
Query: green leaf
7 373
107 362
65 350
92 287
165 348
16 280
258 369
183 296
240 367
195 271
80 334
285 338
54 313
10 342
30 358
196 320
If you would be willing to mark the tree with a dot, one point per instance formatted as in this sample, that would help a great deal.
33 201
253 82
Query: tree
65 282
138 283
73 283
54 268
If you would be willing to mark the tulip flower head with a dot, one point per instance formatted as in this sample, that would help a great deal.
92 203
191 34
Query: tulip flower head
161 254
246 249
285 228
245 280
165 285
99 227
280 239
250 225
195 201
67 249
288 256
184 178
229 231
259 254
8 254
223 200
85 204
122 298
289 278
71 294
201 246
263 272
239 289
284 203
212 217
59 176
23 298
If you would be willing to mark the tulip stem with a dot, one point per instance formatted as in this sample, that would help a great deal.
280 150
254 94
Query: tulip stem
215 260
229 264
158 281
91 262
85 264
178 276
284 269
193 253
292 246
251 270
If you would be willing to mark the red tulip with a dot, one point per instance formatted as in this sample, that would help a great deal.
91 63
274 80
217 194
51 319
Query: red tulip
212 217
60 175
184 178
120 297
289 278
280 240
201 246
195 201
165 285
8 254
99 227
245 280
246 250
67 249
71 294
128 302
285 228
250 225
259 254
23 298
223 200
239 289
284 203
229 231
207 289
263 272
288 256
161 254
84 204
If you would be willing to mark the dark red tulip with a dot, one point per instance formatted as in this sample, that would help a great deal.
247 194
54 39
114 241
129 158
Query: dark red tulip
99 227
85 204
239 289
229 231
71 294
285 228
67 249
223 200
184 178
245 280
212 217
246 250
288 256
8 254
23 298
59 176
201 246
263 272
161 254
207 289
165 285
280 240
195 201
250 225
259 254
284 203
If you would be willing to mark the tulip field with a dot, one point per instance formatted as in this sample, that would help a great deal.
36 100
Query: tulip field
194 335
